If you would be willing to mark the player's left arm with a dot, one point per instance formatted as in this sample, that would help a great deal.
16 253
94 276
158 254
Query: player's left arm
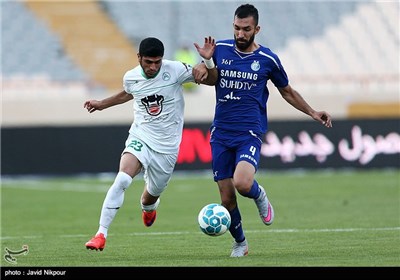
297 101
205 72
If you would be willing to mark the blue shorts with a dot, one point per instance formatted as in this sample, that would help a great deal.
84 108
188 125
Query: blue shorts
230 147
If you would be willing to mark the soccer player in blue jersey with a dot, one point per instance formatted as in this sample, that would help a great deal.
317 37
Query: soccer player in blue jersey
244 68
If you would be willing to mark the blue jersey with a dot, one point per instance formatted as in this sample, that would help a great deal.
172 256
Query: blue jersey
241 89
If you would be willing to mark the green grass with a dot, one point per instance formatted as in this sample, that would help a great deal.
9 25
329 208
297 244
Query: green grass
322 219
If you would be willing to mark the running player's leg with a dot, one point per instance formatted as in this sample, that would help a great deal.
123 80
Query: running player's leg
156 176
129 167
247 159
223 165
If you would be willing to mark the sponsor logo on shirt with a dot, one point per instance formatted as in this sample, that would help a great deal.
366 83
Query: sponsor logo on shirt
231 96
153 104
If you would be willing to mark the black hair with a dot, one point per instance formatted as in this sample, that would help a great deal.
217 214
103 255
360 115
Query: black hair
152 47
246 10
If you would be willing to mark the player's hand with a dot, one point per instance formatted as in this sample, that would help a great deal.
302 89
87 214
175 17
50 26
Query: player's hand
92 105
200 72
208 48
324 118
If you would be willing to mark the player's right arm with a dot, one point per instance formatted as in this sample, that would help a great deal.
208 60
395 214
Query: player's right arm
205 76
116 99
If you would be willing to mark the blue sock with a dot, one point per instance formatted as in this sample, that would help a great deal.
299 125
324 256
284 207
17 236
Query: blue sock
236 229
254 191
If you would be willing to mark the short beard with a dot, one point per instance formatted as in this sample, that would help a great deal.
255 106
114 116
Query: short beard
242 46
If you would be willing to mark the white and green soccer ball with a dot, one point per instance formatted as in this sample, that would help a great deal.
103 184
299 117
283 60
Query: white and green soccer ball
214 219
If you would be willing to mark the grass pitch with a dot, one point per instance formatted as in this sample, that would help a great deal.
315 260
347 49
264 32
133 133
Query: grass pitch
322 219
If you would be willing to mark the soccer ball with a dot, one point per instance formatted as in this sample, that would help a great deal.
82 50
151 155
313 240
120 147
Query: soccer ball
214 219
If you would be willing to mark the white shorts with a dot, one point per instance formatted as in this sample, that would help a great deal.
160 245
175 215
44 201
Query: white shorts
157 167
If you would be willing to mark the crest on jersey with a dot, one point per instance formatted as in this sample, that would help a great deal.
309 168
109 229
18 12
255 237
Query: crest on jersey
153 104
166 76
255 66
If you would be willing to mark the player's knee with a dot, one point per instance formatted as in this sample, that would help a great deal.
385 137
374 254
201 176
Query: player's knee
243 186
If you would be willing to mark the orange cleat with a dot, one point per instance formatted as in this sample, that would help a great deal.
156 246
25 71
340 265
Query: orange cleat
98 242
149 217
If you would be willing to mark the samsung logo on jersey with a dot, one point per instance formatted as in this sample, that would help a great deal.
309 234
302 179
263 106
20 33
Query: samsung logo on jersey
224 83
238 74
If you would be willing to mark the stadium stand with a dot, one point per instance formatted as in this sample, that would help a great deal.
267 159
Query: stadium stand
29 47
341 55
33 62
88 35
187 21
353 44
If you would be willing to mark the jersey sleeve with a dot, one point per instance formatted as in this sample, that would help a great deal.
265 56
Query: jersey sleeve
278 76
128 81
184 72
